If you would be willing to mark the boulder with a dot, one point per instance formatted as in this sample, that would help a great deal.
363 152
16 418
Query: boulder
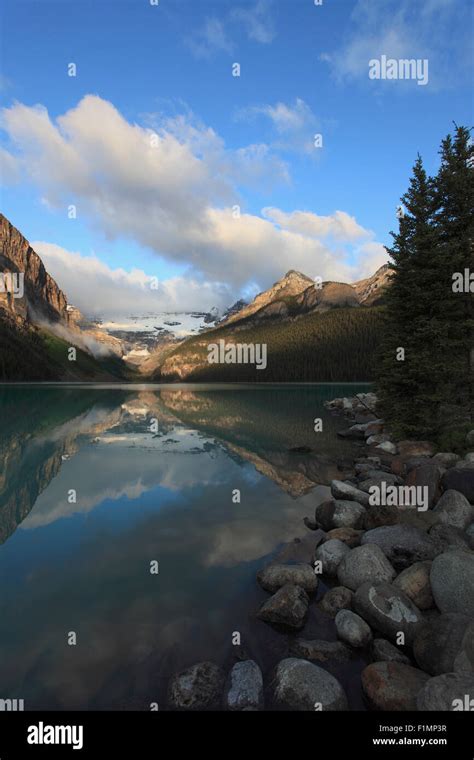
274 576
416 449
287 609
378 515
337 598
348 492
439 642
330 554
317 650
352 630
375 427
454 509
244 689
355 432
362 564
384 651
373 440
301 685
392 685
197 688
460 479
348 536
403 545
388 610
414 581
452 581
446 693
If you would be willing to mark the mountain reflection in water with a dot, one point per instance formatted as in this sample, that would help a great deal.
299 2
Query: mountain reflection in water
82 563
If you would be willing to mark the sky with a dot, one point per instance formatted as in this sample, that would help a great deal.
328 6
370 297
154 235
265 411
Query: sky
170 155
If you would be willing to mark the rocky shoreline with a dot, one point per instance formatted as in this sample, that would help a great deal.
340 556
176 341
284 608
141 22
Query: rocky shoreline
394 547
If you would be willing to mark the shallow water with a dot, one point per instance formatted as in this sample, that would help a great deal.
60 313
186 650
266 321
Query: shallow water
80 564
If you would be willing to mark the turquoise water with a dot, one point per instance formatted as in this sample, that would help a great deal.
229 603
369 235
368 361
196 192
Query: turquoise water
100 485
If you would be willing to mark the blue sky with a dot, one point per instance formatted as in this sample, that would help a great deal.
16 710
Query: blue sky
163 73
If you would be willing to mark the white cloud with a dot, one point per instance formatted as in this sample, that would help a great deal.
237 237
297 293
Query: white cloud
216 34
257 20
339 225
98 290
210 39
294 124
9 169
173 191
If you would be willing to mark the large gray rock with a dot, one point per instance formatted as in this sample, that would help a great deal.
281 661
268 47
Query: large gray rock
317 650
274 576
454 509
402 544
301 685
447 537
339 513
287 609
415 583
337 598
392 685
452 581
460 479
439 642
364 563
197 688
352 629
379 515
348 492
245 687
446 459
384 651
330 554
388 610
446 693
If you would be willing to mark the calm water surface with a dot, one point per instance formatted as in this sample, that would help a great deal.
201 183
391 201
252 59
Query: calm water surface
154 470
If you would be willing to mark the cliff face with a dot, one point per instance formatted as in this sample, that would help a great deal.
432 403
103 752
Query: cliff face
41 297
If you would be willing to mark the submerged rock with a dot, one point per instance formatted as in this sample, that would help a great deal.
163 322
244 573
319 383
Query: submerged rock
317 650
274 576
384 651
197 688
337 598
301 685
245 687
287 608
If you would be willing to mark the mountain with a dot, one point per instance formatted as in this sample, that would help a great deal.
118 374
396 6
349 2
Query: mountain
313 331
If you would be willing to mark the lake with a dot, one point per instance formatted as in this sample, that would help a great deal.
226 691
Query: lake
133 521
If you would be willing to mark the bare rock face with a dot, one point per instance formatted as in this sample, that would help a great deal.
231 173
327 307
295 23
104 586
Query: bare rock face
42 299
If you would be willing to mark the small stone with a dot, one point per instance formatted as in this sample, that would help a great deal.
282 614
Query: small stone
362 564
388 447
245 687
274 576
197 688
287 609
330 554
337 598
346 491
415 583
301 685
352 629
392 686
